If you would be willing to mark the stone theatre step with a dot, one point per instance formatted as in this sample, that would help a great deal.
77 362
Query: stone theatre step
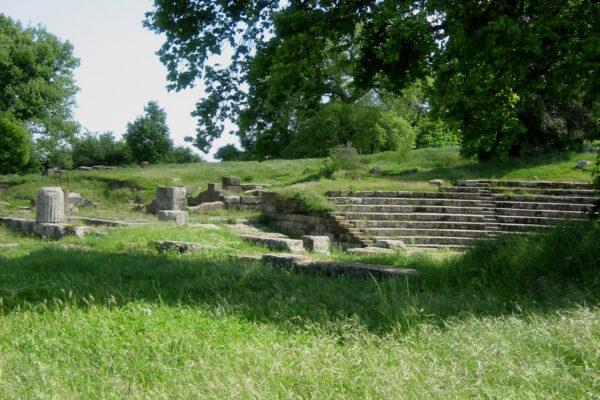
388 216
402 194
545 199
410 209
524 184
405 201
398 232
419 224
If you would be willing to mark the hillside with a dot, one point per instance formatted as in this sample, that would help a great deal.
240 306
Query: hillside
399 170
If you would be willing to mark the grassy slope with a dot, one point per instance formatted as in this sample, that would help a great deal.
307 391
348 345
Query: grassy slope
438 163
122 321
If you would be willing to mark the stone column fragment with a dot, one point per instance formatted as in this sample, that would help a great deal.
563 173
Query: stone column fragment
50 205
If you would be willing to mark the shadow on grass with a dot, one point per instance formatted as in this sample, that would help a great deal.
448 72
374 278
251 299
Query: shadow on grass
504 277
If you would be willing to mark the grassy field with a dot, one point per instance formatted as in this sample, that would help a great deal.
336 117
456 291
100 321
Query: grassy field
108 317
515 318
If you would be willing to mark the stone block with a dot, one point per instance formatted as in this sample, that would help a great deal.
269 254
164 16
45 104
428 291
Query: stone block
231 201
208 207
231 181
171 198
50 205
145 164
318 244
179 217
49 172
250 200
85 168
234 189
583 164
389 244
213 187
293 246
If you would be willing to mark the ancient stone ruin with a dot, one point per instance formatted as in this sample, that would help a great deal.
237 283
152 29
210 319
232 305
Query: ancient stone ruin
50 205
171 204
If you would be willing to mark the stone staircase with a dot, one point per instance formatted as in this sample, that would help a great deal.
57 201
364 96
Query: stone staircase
453 217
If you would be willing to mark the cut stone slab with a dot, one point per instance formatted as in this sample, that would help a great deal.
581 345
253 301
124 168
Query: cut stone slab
182 247
50 205
71 246
80 231
179 217
6 245
293 246
583 164
369 250
145 164
171 198
436 182
85 168
390 244
231 181
207 207
205 226
330 268
318 244
230 201
76 200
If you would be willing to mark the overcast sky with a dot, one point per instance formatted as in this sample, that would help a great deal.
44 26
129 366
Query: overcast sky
119 71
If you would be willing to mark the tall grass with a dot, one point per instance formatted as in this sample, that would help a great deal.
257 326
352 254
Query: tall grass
514 318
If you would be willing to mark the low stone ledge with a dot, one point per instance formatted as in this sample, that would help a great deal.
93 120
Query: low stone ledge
317 244
390 244
182 247
294 246
7 245
330 268
369 250
179 217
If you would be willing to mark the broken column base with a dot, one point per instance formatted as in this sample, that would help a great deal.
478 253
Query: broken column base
179 217
45 229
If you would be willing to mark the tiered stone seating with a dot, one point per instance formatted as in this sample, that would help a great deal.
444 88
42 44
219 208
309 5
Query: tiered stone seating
455 216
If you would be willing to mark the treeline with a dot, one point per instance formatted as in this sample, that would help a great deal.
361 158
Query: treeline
37 129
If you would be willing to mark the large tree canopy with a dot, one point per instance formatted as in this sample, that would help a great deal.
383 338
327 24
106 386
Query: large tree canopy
515 76
37 86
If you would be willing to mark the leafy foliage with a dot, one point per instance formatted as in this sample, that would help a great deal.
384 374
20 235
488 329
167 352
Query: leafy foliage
148 136
15 144
514 77
100 149
183 155
37 86
228 153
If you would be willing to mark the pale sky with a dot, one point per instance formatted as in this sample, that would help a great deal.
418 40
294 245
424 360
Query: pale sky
119 71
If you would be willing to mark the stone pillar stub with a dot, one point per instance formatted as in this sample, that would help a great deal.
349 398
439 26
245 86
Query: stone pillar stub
171 198
50 205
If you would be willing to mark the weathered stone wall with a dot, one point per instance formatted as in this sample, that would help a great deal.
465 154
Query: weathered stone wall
291 217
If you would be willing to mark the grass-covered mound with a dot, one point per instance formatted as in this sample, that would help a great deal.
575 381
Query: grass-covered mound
514 318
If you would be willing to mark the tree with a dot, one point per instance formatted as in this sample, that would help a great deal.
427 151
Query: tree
514 76
228 153
15 144
37 86
100 149
183 155
148 136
